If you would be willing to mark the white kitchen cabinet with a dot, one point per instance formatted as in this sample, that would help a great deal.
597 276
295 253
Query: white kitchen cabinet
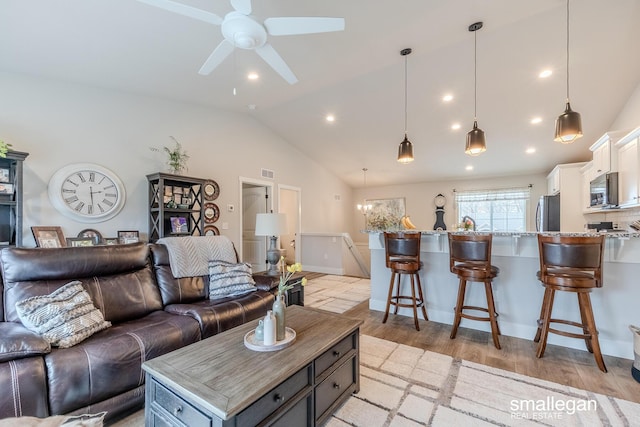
586 173
629 169
605 158
566 179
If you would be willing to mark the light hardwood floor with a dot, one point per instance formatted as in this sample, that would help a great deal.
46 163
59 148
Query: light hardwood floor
561 365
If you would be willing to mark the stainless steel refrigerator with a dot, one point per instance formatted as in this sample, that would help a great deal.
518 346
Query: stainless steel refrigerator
548 213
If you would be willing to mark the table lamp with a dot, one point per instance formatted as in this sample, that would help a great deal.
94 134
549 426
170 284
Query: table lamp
271 225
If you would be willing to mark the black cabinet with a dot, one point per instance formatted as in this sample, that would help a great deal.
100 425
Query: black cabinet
11 198
175 206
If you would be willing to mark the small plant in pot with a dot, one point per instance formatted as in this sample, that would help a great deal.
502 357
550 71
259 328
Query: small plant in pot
177 160
4 148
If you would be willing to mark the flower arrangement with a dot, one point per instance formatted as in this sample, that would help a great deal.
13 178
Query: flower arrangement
468 224
287 272
177 157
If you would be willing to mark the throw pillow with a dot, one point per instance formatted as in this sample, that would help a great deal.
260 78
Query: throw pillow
88 420
229 279
64 318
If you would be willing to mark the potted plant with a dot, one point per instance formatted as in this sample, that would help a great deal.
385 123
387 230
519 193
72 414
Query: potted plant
177 160
4 148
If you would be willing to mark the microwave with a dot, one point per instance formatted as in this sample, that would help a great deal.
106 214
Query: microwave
603 191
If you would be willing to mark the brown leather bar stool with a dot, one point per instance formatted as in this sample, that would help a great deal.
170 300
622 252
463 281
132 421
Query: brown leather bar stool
470 260
402 256
570 264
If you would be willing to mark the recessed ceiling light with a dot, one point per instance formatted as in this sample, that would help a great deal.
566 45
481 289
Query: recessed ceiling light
530 150
455 126
545 73
330 118
253 76
448 97
536 120
469 168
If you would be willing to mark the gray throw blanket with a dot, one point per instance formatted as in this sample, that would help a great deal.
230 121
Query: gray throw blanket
190 256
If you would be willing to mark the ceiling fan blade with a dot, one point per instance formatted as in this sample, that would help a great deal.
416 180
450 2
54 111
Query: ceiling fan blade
289 26
271 57
217 56
242 6
182 9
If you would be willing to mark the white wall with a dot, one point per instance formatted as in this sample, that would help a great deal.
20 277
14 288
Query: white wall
629 117
60 123
419 199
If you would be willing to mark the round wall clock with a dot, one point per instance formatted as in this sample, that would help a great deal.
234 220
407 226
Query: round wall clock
211 190
86 192
211 212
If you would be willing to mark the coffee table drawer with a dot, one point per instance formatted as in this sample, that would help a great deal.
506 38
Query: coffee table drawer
340 381
276 398
177 408
334 354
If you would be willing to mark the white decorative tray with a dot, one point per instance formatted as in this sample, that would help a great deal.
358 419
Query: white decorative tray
252 344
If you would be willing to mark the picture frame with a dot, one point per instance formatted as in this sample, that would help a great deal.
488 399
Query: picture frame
6 188
179 224
4 174
385 214
111 241
128 236
48 237
74 242
89 233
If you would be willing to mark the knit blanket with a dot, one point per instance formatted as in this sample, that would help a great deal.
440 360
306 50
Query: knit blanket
190 256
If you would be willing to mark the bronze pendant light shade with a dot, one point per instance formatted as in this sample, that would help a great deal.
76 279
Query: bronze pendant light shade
569 123
476 143
405 150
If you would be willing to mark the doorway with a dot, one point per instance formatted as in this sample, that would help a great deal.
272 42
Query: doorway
289 203
256 197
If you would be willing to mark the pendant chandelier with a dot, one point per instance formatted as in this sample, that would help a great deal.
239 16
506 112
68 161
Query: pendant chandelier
569 123
475 138
405 150
365 207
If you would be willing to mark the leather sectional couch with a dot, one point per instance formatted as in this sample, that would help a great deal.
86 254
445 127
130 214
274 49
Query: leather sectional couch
151 312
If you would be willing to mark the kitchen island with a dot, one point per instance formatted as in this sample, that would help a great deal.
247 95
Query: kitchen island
518 293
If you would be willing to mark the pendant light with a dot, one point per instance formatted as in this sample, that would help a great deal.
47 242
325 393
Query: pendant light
569 123
475 138
365 207
405 150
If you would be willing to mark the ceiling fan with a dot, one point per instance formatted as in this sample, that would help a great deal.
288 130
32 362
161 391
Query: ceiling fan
241 30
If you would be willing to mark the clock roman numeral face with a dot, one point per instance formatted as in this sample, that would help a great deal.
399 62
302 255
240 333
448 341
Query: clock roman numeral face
89 193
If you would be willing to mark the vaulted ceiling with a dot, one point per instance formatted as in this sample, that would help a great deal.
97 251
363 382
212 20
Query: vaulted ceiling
358 74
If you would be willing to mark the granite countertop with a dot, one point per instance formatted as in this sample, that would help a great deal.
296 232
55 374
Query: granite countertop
617 233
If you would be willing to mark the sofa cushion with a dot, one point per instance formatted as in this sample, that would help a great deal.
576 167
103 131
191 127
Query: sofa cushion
118 278
229 279
18 342
110 362
87 420
64 318
216 316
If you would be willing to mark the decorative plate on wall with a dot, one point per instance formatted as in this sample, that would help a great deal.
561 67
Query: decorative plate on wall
211 230
211 190
211 212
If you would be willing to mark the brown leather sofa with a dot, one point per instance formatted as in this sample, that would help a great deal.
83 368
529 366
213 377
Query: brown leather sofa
151 313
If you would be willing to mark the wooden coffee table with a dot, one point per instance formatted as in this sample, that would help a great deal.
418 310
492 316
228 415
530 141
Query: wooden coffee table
220 382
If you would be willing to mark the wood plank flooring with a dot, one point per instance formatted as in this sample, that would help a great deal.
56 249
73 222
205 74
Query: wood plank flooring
561 365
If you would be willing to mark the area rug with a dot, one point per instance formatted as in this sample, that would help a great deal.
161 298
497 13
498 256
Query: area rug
336 293
407 386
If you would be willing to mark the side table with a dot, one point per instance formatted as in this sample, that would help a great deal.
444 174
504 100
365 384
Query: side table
295 295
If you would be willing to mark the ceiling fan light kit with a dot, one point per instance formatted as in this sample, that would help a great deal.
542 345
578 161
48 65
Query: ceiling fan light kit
405 150
241 30
476 143
569 123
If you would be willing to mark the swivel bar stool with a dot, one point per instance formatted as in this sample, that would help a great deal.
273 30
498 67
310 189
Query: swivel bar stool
570 264
470 260
402 256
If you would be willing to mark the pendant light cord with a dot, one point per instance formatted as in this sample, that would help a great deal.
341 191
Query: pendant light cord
475 76
567 50
405 95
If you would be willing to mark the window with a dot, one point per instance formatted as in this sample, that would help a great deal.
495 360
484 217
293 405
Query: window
495 210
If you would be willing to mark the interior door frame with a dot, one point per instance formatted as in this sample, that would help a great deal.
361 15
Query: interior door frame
268 185
298 214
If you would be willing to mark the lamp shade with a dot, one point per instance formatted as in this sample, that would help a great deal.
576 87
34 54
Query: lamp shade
568 126
405 151
475 141
270 224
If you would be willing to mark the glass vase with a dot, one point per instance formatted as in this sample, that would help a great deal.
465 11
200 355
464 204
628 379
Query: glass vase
279 309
